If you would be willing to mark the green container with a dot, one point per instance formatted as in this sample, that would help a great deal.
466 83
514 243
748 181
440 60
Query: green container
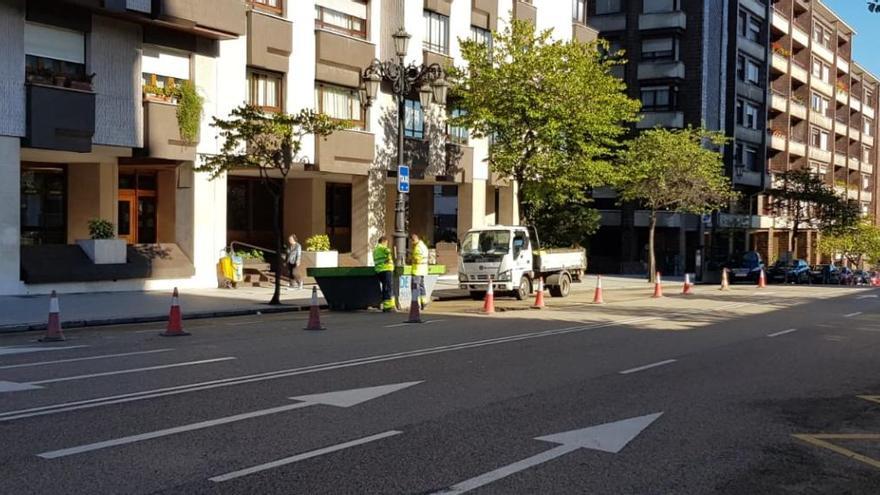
356 287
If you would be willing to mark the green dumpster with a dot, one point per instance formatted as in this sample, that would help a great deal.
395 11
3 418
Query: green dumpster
355 288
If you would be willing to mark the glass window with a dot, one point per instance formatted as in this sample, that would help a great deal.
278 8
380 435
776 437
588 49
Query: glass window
579 11
819 103
414 120
265 90
753 72
487 242
342 22
821 35
753 31
751 116
649 6
819 138
340 103
867 126
750 157
436 32
43 205
276 6
457 134
820 70
445 213
607 6
658 98
658 48
866 154
53 52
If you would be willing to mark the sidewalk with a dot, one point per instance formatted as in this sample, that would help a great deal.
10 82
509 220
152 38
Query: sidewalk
22 313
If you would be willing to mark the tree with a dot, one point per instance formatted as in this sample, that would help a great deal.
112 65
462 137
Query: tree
673 170
874 6
269 143
806 200
855 243
567 224
552 109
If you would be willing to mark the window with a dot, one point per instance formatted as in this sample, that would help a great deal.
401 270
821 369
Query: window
819 103
658 98
867 126
607 6
276 6
869 97
866 182
436 32
818 168
747 114
162 68
819 138
866 154
414 120
350 19
340 103
445 213
821 70
482 36
579 11
749 26
658 49
748 70
43 205
821 35
264 90
746 155
52 51
650 6
458 135
866 208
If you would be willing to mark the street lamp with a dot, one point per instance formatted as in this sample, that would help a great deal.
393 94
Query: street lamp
430 81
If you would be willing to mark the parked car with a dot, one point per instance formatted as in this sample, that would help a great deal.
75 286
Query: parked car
825 274
847 276
862 277
795 271
745 267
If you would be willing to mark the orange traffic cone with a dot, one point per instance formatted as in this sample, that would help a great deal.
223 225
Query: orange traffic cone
314 313
597 296
725 282
53 328
175 319
539 296
688 287
489 301
415 306
658 286
762 281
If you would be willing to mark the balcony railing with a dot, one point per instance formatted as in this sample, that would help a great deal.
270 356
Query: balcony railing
339 22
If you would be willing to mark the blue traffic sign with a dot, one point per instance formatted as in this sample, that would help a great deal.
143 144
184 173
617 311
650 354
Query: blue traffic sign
403 178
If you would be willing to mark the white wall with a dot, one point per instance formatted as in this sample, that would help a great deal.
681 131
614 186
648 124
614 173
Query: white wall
10 214
301 76
555 15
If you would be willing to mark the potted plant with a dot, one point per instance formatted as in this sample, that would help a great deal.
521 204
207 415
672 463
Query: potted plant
318 253
103 248
82 83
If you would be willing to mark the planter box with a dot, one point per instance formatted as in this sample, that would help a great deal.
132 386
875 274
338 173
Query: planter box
104 251
320 259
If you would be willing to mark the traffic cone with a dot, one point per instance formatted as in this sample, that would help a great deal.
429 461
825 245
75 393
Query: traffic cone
489 301
597 296
658 287
762 281
314 313
539 296
53 328
415 307
688 287
725 282
175 319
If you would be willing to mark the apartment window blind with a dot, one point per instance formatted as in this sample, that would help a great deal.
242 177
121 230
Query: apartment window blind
55 43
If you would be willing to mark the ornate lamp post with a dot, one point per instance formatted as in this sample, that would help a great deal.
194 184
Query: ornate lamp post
432 86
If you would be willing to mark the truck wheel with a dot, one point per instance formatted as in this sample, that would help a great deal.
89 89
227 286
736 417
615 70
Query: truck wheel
477 295
564 287
525 288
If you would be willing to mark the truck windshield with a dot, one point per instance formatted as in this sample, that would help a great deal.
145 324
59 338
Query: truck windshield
486 243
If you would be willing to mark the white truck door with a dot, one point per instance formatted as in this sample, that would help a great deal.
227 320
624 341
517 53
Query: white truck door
522 252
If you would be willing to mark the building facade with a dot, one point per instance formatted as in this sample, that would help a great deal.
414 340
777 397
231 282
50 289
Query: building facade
89 94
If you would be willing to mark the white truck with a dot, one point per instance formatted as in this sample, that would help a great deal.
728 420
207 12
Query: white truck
511 256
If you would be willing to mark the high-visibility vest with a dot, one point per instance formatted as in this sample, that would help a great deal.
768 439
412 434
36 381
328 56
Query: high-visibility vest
382 259
420 259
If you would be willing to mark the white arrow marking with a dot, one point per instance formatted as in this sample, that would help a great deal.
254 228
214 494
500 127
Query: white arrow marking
301 457
608 437
5 351
343 398
870 296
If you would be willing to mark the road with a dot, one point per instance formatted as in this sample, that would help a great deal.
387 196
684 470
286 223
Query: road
746 391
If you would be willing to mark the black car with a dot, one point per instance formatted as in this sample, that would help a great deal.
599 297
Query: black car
794 271
825 274
745 267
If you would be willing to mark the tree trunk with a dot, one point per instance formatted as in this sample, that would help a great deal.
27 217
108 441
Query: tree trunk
521 199
652 262
279 241
795 230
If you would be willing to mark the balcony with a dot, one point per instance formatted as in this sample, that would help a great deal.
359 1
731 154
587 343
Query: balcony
162 133
867 196
868 140
840 159
661 119
799 36
525 11
213 18
821 120
855 104
841 96
339 59
269 41
798 71
798 109
440 59
663 20
779 63
661 70
797 148
778 101
854 133
780 22
59 118
823 52
840 126
819 154
868 111
866 167
608 22
854 163
345 152
777 141
582 33
843 65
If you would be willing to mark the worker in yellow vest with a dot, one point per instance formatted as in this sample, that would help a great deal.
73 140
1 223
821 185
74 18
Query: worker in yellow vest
419 269
383 263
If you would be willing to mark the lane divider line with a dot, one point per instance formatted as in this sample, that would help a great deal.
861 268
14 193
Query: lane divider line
777 334
89 358
132 370
648 366
850 315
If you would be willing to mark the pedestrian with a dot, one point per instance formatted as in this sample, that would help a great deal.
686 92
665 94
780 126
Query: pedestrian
294 257
419 269
383 263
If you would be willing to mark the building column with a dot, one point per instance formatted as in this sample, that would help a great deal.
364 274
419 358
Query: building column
10 214
200 224
367 214
472 203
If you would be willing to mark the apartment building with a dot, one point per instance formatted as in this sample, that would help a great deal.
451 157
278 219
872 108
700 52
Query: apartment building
90 130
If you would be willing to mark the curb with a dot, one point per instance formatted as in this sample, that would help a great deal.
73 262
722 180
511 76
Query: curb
102 322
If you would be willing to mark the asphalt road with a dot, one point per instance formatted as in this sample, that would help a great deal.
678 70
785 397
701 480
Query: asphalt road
741 392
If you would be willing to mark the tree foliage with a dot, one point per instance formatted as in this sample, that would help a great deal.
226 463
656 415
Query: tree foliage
270 144
567 224
806 201
552 109
874 6
673 170
854 243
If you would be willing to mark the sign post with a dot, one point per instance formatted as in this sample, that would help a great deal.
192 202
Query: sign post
403 178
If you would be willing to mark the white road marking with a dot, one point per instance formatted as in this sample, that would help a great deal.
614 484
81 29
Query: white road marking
301 457
777 334
132 370
152 330
427 322
272 375
857 313
647 367
89 358
6 351
869 296
16 387
341 398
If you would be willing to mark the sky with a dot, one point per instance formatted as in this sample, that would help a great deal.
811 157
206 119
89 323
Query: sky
866 46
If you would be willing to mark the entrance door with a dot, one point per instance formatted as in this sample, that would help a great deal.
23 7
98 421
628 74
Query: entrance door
338 211
137 207
127 221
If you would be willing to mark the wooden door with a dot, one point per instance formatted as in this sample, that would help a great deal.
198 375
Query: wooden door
128 215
